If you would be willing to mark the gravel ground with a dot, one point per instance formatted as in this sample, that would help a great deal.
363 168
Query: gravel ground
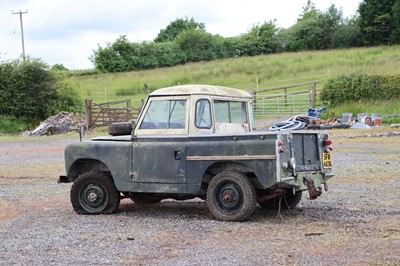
357 222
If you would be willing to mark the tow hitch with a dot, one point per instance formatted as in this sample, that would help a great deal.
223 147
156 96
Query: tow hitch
315 192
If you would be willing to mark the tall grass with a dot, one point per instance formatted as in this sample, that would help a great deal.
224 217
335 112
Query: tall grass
13 126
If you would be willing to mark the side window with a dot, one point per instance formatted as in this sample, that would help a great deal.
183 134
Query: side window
165 114
230 112
203 114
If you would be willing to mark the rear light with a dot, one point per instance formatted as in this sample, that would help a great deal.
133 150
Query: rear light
280 145
327 143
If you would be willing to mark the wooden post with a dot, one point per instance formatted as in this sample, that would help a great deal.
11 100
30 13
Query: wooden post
285 92
257 82
254 96
313 95
88 111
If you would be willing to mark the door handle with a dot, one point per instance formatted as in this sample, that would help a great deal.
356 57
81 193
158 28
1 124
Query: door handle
177 155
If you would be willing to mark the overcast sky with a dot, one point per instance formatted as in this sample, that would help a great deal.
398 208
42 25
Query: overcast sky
66 31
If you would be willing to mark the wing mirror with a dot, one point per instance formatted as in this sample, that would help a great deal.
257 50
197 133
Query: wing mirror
82 131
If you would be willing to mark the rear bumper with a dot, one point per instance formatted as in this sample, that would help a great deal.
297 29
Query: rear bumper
300 182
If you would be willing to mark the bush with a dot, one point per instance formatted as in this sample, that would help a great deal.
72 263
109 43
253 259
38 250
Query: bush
30 91
359 87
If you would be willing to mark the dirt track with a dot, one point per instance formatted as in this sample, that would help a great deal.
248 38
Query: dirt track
356 223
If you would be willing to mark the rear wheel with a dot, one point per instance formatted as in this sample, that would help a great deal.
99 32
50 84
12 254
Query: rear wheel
231 196
287 201
94 193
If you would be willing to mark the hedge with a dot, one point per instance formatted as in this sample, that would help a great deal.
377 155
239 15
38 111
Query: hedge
31 92
360 87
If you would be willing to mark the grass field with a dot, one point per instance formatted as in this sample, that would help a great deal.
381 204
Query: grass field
242 73
269 71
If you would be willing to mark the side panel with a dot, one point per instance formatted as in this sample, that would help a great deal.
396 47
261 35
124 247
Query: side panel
159 160
257 153
116 155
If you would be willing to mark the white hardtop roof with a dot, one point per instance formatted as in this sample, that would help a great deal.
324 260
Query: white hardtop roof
202 90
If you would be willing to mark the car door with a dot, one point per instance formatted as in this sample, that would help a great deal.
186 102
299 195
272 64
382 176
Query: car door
159 147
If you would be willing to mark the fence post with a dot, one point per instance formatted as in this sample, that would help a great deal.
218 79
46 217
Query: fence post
285 92
313 95
88 111
254 96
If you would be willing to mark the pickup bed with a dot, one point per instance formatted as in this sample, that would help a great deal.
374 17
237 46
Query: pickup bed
198 141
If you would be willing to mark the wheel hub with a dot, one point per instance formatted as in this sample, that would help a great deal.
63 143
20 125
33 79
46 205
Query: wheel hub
229 197
92 196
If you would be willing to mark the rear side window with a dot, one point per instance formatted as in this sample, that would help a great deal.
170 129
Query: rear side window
203 114
230 112
165 114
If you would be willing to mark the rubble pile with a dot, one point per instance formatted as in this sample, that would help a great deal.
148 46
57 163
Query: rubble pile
61 123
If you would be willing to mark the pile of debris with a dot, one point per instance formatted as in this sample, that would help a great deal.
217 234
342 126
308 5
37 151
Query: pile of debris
61 123
313 121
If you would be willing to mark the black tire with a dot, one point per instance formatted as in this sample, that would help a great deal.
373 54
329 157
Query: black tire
231 197
143 198
94 193
120 128
342 126
288 201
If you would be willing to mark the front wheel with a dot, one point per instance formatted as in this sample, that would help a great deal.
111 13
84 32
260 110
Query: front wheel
231 197
94 193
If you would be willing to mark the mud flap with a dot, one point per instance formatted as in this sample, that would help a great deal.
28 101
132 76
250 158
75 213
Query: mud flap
314 192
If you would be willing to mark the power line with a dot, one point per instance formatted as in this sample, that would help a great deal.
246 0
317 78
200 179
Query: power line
22 30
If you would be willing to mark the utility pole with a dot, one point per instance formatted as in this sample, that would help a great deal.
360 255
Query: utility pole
22 30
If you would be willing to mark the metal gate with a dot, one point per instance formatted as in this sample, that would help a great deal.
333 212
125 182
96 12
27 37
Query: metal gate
269 103
103 114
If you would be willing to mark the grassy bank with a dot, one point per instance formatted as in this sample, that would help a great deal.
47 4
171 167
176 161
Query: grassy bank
242 73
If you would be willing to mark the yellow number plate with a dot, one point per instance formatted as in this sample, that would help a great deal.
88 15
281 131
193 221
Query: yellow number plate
326 160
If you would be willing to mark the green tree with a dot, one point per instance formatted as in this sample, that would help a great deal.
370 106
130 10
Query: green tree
175 28
123 55
329 22
309 12
395 38
377 23
197 45
313 31
347 35
261 39
59 67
